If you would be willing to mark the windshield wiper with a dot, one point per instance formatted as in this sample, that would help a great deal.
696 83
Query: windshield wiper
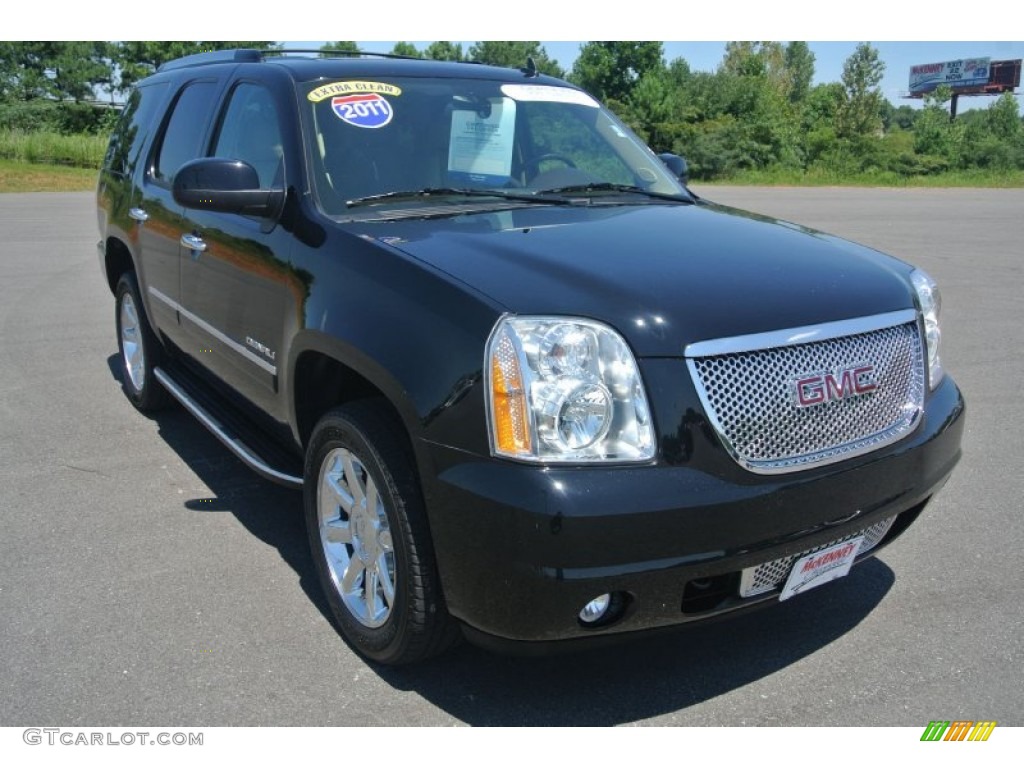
450 191
607 186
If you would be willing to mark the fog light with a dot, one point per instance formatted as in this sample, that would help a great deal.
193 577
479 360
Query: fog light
596 609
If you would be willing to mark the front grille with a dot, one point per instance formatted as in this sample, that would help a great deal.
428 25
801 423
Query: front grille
750 396
769 576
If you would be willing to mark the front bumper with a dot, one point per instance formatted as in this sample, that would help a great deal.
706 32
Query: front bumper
522 548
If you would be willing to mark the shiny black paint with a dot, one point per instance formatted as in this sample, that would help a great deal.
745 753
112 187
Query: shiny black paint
408 305
663 274
227 186
523 550
357 310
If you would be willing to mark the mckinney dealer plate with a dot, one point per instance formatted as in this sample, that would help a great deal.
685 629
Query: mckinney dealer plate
820 567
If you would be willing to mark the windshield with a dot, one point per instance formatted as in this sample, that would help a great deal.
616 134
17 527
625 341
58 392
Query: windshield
409 141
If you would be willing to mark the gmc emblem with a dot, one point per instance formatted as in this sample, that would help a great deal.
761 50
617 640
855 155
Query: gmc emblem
826 387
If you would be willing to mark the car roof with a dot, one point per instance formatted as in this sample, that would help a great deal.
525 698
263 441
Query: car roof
304 68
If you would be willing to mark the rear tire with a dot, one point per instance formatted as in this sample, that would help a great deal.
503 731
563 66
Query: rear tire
369 537
138 348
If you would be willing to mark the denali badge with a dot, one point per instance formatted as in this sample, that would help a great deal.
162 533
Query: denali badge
251 342
825 387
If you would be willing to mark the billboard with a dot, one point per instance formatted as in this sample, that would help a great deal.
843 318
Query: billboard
962 73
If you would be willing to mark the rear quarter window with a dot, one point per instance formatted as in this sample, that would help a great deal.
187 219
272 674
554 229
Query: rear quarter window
133 128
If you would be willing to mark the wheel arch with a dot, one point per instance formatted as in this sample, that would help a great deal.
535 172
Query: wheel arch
326 374
117 259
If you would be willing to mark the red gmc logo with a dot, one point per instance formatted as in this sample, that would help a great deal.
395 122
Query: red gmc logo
826 387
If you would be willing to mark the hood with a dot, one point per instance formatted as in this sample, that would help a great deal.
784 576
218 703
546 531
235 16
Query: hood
663 275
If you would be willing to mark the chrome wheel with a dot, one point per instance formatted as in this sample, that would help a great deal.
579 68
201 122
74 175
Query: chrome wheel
138 348
368 533
356 538
131 343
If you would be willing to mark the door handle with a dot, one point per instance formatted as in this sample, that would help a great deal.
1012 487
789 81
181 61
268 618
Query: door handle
138 214
193 242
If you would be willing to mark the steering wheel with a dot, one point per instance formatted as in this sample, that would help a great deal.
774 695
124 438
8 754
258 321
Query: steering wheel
532 166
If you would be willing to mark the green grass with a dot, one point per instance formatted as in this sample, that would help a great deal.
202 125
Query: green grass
82 151
49 162
820 178
29 177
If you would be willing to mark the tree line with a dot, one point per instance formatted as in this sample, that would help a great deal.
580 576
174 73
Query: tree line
759 110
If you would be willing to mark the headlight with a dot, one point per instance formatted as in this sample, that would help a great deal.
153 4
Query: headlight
564 389
929 302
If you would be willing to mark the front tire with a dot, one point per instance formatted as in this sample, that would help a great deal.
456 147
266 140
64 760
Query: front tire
369 537
138 348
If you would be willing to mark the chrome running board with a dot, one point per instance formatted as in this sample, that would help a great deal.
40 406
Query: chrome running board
231 441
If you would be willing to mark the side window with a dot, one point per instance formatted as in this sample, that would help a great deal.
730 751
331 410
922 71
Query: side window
116 157
132 128
183 137
250 131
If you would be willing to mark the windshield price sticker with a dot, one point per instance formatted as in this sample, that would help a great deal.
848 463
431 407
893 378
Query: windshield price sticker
821 567
481 146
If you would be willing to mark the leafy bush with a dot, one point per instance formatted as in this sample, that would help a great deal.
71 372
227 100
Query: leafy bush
56 117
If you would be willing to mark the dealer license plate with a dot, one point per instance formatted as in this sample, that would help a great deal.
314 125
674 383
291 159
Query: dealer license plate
820 567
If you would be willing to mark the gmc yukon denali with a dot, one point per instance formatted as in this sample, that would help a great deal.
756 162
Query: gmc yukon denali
534 390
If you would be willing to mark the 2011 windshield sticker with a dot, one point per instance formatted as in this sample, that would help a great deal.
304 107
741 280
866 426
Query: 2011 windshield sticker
347 87
363 110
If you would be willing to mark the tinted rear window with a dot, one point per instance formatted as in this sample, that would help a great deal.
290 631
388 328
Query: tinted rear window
132 128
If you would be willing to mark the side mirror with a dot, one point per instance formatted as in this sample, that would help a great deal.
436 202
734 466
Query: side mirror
229 186
676 165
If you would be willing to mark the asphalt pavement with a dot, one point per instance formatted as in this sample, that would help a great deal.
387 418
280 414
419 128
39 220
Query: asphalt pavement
147 577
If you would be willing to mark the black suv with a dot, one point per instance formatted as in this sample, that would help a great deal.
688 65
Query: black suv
534 390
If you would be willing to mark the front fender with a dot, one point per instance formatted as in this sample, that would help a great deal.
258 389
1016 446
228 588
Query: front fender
413 332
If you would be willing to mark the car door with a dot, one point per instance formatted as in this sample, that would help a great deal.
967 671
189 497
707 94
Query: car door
237 283
161 220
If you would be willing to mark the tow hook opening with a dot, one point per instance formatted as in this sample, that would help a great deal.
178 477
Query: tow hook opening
708 592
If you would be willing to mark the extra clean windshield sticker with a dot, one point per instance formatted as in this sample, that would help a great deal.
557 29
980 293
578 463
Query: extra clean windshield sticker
352 86
363 110
547 93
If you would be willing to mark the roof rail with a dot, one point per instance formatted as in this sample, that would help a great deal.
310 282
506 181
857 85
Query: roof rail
213 57
251 55
329 53
355 54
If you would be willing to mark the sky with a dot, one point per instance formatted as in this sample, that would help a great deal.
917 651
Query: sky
828 65
884 23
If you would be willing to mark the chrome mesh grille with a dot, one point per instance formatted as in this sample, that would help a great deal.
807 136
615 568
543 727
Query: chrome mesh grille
769 576
750 398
